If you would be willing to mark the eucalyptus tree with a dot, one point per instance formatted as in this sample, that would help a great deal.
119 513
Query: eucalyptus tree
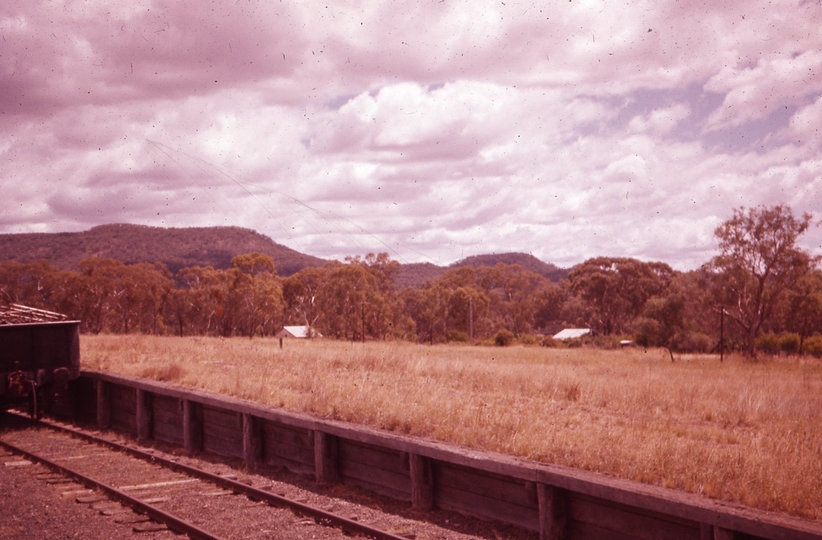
255 294
33 283
614 289
342 298
759 261
300 294
804 306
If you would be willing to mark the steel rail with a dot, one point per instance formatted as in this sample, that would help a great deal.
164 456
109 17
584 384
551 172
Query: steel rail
272 499
171 521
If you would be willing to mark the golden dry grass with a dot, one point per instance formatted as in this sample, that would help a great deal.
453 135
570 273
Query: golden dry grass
738 431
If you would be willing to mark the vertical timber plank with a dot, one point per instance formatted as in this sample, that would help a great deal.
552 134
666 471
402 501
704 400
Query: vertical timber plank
722 534
71 402
325 458
706 531
422 482
143 413
192 427
553 512
252 439
103 404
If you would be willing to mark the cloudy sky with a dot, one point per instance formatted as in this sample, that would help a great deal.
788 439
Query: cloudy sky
430 129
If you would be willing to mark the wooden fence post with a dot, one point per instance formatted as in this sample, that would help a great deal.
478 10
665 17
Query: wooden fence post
103 404
252 441
553 512
325 457
192 427
712 532
143 410
422 482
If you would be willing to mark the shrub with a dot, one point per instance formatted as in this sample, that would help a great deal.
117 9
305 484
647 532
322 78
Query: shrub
528 339
648 332
571 391
813 346
789 343
166 373
768 343
692 342
457 335
503 338
548 341
606 342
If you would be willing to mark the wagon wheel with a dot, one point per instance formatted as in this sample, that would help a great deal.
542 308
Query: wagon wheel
3 407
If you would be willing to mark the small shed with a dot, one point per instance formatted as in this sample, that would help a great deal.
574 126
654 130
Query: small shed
300 332
572 333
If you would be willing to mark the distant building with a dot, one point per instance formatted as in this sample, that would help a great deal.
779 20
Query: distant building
572 333
300 332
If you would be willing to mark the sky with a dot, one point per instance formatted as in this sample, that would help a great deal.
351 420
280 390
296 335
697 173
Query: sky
431 130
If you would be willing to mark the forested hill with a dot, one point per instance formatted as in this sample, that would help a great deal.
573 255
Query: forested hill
177 248
212 246
526 260
416 274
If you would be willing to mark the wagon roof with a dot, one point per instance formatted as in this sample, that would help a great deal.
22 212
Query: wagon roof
19 314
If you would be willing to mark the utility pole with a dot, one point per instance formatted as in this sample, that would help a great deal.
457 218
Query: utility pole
363 322
471 319
722 334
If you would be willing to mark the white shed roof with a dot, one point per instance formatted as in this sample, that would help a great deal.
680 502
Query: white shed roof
293 331
572 333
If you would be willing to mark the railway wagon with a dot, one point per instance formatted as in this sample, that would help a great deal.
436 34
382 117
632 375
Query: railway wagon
39 355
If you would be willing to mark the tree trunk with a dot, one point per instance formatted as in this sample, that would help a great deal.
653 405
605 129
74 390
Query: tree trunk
751 345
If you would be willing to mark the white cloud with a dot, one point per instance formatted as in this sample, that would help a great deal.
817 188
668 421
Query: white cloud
806 124
440 129
660 121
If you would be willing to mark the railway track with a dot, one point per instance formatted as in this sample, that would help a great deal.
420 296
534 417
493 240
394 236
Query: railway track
163 492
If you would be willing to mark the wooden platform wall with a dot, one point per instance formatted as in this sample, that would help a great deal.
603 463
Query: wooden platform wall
557 502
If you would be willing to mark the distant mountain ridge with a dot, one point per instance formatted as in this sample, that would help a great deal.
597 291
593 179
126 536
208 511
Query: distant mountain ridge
526 260
176 247
212 246
416 274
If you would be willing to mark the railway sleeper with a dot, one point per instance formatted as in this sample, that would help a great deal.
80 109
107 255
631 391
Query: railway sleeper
228 482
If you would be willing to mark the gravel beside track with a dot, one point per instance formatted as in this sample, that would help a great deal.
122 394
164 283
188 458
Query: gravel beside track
43 506
35 505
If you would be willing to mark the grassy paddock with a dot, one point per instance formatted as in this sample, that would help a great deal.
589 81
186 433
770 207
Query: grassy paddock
738 431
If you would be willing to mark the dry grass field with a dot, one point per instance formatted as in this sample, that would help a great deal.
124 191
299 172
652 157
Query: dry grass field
739 431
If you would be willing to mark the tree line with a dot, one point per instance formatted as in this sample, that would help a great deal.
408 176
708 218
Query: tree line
761 292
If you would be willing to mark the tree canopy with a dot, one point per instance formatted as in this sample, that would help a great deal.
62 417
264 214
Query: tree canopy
761 284
615 289
759 261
